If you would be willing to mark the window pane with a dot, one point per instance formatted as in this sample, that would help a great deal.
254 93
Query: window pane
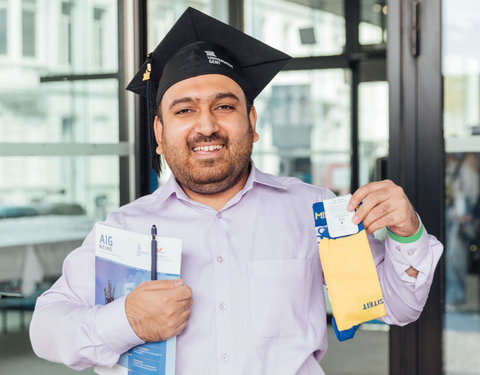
373 22
304 128
163 14
28 33
85 38
74 185
295 28
98 36
461 78
75 111
3 30
49 203
373 130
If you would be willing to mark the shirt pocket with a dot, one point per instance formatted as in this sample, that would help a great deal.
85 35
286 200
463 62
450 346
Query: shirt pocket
279 290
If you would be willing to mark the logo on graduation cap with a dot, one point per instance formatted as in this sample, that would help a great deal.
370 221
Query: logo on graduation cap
213 59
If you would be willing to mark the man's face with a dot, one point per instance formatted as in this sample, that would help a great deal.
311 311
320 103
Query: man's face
207 133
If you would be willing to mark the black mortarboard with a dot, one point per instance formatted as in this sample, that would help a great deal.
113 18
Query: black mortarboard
198 44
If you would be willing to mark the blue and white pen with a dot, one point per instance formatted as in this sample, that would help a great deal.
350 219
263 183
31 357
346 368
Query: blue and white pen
154 253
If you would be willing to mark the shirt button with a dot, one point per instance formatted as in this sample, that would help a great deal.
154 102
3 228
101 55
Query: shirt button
224 357
220 259
411 251
219 215
222 307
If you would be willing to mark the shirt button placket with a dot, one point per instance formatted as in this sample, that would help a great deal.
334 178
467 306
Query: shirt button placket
223 318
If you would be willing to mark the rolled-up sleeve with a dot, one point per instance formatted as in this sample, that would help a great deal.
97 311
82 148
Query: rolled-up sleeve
405 296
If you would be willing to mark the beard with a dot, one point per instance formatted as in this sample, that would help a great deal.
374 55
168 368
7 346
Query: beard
210 175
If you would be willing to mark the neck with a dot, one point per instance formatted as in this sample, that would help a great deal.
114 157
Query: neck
218 200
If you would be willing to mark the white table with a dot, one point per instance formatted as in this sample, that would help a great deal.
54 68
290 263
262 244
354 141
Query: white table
32 248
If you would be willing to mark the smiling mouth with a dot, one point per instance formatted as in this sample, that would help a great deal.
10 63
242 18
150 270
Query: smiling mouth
207 148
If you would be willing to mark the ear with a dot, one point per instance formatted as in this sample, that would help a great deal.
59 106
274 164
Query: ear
253 122
158 130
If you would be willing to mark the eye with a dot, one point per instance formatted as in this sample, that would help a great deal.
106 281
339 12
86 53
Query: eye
226 107
183 111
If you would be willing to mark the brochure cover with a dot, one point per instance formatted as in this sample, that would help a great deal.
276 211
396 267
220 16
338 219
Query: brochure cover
122 261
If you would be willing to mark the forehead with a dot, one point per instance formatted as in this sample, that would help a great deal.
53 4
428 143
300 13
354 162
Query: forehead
202 87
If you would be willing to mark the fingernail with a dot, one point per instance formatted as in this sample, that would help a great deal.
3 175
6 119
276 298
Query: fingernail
178 282
355 219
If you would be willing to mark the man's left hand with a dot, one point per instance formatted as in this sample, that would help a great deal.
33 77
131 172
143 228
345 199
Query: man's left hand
384 204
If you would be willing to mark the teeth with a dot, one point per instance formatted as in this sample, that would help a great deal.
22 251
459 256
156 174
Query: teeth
207 148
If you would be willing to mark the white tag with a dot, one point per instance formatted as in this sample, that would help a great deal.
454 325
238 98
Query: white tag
339 219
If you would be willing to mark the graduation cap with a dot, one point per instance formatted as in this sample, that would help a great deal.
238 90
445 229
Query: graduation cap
198 44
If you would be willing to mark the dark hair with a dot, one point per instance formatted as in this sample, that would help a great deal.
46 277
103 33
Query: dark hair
157 160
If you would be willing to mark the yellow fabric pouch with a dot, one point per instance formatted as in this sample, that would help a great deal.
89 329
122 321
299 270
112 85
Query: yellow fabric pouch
352 280
350 275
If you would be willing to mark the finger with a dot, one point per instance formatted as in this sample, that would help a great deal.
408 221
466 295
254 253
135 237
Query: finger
372 200
185 315
360 194
183 306
180 328
380 223
378 212
184 293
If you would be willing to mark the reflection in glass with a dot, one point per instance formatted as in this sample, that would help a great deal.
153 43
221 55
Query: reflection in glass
295 28
372 130
304 128
49 203
461 71
28 27
163 14
87 185
69 111
373 22
3 27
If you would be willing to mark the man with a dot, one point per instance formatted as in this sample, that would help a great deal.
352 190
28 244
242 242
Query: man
251 297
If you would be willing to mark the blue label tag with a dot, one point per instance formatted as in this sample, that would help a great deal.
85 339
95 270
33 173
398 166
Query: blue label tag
321 227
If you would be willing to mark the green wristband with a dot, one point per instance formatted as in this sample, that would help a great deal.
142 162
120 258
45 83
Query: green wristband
410 239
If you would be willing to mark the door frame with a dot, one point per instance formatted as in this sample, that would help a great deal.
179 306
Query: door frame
416 161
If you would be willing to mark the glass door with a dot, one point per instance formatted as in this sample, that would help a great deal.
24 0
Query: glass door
461 80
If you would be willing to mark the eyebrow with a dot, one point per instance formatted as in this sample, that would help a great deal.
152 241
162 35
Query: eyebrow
186 99
223 95
218 96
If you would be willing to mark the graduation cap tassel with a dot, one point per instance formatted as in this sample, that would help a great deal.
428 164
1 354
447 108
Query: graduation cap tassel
151 89
152 111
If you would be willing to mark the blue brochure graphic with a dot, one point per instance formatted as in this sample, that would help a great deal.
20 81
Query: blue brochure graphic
122 261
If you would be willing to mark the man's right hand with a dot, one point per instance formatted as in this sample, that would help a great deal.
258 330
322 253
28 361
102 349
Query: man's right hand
158 310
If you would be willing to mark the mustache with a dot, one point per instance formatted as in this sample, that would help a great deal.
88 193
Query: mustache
200 138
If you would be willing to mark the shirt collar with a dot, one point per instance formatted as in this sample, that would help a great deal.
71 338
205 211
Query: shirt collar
256 177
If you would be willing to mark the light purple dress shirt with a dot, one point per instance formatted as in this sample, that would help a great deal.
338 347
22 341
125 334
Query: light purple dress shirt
257 282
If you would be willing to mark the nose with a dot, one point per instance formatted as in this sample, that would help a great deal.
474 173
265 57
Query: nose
206 123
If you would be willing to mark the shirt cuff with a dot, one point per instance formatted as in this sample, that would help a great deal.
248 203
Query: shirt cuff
409 239
114 329
411 251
